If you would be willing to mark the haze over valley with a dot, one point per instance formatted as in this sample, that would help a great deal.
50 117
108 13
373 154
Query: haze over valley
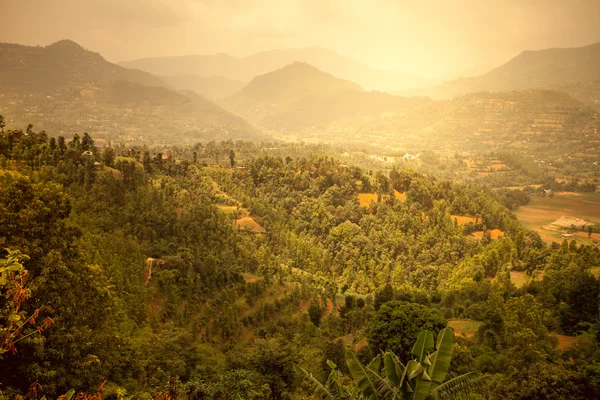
300 200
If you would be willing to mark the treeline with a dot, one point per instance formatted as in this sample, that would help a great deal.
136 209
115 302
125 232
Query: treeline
228 313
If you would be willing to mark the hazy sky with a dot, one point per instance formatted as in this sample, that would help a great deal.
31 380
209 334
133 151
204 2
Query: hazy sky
429 37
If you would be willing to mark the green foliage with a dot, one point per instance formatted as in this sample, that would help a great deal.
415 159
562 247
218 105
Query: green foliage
421 378
396 326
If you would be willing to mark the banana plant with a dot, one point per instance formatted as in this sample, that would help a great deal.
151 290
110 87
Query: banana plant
422 378
333 389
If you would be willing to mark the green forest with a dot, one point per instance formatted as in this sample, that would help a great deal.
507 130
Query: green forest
244 270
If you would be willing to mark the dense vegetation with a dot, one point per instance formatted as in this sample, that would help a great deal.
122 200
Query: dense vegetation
137 258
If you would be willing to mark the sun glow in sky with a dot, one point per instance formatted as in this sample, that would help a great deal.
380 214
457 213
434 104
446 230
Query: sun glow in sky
432 38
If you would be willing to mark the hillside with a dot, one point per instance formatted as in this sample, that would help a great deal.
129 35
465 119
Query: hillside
299 96
59 66
246 68
165 276
127 112
213 87
543 69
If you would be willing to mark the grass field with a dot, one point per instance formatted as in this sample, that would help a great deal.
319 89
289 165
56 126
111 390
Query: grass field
248 223
494 234
564 342
519 279
542 211
399 195
463 220
365 199
464 327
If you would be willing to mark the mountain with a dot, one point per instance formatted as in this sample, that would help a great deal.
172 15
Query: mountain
212 87
292 82
59 66
127 112
85 93
544 69
300 98
246 68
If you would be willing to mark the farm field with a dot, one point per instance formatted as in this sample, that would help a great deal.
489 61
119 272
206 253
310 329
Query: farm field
543 211
365 199
463 220
464 327
494 234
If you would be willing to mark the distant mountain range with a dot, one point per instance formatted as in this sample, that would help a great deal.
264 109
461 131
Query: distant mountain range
573 70
84 92
246 68
59 66
297 101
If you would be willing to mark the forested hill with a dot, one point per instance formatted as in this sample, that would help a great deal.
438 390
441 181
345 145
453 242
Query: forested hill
59 66
209 271
65 88
129 113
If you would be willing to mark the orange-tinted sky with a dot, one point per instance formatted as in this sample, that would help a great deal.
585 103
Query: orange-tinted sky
432 38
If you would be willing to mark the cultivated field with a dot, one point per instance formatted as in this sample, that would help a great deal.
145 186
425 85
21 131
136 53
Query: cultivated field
543 211
464 327
463 220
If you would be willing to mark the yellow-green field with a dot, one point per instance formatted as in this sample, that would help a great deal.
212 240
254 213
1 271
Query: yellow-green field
365 199
539 214
494 234
463 219
464 327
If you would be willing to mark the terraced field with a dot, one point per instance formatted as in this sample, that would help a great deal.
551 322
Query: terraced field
541 212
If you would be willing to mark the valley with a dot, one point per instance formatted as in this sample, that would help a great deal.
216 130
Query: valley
294 223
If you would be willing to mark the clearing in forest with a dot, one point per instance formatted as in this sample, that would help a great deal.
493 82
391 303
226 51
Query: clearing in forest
564 342
249 224
244 220
494 234
463 220
365 199
464 327
401 196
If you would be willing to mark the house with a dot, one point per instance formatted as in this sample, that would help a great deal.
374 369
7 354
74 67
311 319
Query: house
87 153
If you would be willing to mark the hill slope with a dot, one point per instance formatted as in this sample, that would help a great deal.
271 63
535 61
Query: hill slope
212 87
127 112
300 95
544 69
59 66
84 92
246 68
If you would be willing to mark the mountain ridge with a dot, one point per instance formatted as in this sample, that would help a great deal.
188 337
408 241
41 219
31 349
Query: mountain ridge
554 68
247 67
60 65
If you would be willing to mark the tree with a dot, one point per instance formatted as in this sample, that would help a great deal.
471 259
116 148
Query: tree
422 378
397 324
2 123
147 162
109 157
315 312
231 158
383 296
